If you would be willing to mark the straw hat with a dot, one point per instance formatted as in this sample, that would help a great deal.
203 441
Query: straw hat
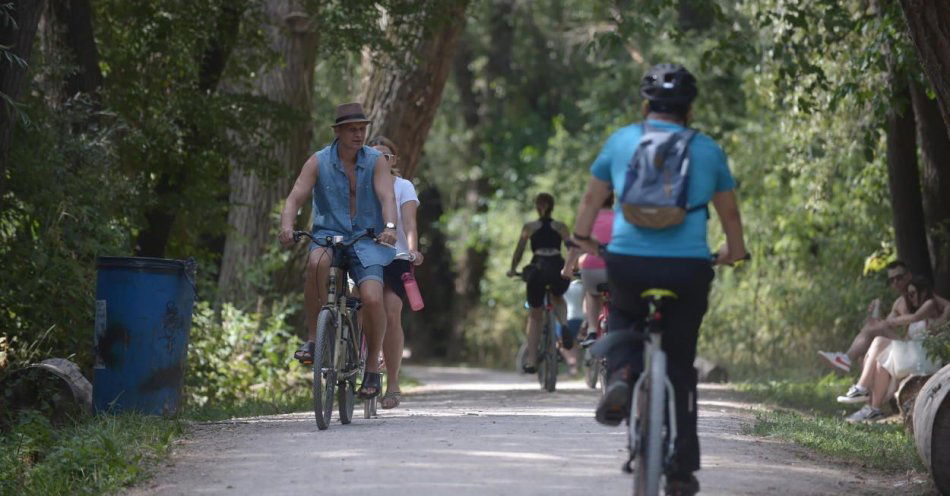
349 112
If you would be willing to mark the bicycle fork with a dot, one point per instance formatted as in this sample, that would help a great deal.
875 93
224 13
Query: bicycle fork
655 362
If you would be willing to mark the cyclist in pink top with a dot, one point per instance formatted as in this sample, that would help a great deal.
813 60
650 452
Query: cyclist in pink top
593 268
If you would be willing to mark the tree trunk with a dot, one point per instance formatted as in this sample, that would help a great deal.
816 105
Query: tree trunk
904 183
402 96
70 26
254 195
26 13
929 25
935 154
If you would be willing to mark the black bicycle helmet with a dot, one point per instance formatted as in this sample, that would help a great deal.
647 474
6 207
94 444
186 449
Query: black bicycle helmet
669 85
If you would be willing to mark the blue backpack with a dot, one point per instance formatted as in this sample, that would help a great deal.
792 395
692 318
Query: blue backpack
654 192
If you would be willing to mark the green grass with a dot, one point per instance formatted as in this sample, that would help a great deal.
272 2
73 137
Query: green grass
884 447
809 415
97 455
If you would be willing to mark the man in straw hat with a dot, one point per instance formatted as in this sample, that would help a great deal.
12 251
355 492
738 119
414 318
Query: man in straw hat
347 177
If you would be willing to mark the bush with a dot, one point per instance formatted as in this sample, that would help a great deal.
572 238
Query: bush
237 356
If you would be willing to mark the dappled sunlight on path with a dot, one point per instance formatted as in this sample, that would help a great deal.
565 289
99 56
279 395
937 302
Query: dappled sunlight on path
468 431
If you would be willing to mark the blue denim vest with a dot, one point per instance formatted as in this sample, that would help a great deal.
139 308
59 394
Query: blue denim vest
331 203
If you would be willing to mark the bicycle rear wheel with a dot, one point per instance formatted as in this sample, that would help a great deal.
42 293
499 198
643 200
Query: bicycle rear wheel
649 469
324 369
591 369
547 371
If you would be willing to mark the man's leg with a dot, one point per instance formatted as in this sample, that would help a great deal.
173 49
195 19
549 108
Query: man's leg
374 320
393 340
315 288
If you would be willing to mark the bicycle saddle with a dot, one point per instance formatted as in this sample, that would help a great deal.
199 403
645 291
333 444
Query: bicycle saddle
658 294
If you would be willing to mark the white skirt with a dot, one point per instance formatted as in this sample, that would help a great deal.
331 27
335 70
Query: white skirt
902 358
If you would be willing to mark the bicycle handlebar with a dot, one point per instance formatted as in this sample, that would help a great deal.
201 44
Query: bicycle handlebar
327 241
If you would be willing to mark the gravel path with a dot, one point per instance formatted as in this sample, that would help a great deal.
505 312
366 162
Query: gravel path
476 431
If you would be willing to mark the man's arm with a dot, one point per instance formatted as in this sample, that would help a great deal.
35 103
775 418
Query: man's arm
728 210
383 184
597 191
519 250
298 195
926 309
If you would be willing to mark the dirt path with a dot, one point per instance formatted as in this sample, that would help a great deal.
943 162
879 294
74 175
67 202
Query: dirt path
475 431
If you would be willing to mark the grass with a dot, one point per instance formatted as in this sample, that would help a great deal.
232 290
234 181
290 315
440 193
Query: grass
808 414
97 455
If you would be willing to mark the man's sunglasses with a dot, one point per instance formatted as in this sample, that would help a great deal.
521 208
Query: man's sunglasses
895 278
389 157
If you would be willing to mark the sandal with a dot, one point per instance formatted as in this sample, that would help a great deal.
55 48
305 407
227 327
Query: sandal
391 400
371 380
304 354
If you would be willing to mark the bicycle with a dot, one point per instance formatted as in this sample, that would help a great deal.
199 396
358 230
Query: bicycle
650 447
596 368
340 348
547 355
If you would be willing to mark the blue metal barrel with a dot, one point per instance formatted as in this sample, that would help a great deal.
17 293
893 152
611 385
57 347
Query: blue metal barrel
143 316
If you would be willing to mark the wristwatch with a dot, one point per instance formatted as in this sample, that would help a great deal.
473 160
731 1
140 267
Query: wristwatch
390 225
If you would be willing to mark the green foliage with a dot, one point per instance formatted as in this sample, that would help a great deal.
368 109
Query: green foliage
236 356
813 396
937 344
98 456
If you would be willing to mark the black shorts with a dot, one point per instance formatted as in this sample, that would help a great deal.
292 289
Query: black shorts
544 273
392 276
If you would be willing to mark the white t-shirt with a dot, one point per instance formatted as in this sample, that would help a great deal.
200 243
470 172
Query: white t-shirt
574 297
405 192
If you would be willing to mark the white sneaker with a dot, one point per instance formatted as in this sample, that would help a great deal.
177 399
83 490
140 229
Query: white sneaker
855 394
837 360
866 414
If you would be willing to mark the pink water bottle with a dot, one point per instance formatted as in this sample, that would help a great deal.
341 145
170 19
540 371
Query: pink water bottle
412 290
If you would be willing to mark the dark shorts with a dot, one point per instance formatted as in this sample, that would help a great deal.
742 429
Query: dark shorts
392 276
542 274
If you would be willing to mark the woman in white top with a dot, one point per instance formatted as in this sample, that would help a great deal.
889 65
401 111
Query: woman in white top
907 356
407 248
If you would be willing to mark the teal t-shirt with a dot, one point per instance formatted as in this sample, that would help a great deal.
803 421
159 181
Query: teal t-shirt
709 174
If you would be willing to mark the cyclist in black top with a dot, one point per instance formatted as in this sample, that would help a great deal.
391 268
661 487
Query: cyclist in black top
544 271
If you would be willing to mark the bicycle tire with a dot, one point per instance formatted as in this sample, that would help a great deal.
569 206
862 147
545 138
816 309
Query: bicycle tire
346 394
324 369
649 470
549 380
369 406
591 370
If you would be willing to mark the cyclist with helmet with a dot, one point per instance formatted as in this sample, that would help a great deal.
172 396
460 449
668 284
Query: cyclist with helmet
675 258
543 273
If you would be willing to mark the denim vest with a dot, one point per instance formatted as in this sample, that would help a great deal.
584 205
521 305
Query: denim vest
331 203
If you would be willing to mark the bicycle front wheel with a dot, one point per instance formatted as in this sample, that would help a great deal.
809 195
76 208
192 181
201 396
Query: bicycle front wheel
346 395
650 460
324 369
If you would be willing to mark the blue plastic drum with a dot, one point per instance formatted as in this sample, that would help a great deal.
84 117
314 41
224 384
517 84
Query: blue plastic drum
143 316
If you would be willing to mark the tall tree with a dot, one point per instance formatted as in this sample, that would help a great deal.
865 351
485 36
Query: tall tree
934 143
403 89
293 37
69 26
904 182
929 26
17 31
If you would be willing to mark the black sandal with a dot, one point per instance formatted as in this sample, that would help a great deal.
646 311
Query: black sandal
304 354
371 380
